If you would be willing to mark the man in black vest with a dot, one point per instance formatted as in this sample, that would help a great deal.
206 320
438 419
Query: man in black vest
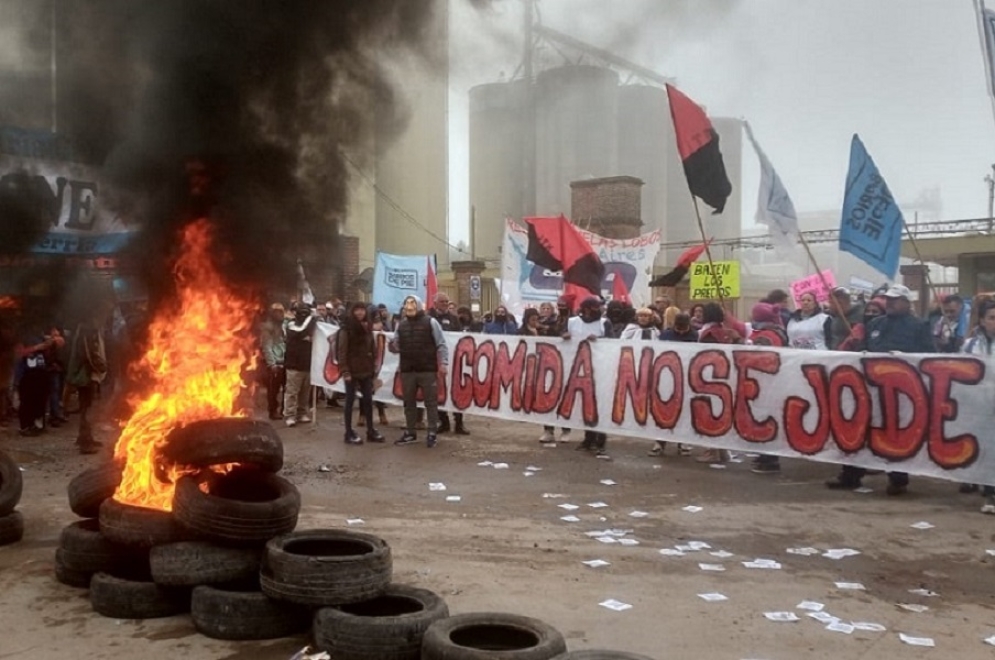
449 322
297 360
421 344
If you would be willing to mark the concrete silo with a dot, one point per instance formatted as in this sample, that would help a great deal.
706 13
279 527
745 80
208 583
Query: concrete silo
497 182
576 131
643 120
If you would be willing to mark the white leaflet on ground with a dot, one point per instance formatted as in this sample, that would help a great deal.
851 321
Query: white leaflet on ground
569 518
597 505
596 533
863 490
781 616
699 545
868 626
721 554
691 508
553 496
500 466
616 605
823 617
923 592
990 640
713 597
810 605
922 524
619 532
850 585
671 552
684 548
638 514
840 553
717 466
453 498
596 563
485 464
803 551
628 541
437 486
990 552
532 468
568 507
528 473
608 482
840 627
916 641
354 521
718 568
763 563
607 539
914 607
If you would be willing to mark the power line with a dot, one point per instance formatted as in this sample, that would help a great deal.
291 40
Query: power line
397 207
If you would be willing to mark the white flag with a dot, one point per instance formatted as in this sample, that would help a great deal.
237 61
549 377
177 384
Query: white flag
774 207
986 30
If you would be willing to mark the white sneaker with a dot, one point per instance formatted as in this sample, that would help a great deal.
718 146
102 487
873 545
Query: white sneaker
655 450
290 421
547 437
989 505
304 419
565 435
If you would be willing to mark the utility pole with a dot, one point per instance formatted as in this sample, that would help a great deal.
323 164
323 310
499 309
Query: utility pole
990 180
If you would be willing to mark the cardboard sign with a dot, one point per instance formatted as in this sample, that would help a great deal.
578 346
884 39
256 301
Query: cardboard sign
708 285
814 284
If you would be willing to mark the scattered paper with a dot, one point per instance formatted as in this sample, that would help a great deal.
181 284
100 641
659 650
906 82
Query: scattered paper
850 585
699 545
628 541
603 457
638 514
616 605
763 563
823 617
608 482
596 563
691 508
355 521
684 548
569 518
712 567
532 468
437 486
922 524
607 539
721 554
671 552
597 532
618 532
863 490
324 468
781 616
713 597
597 505
803 551
913 607
528 473
568 507
916 641
453 498
810 605
307 653
869 627
990 640
500 466
553 496
840 553
485 464
990 552
839 626
923 592
717 466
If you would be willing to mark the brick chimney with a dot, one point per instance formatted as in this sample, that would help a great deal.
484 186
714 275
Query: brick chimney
610 206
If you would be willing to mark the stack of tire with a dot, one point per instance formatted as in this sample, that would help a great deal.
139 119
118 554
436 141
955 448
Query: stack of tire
11 485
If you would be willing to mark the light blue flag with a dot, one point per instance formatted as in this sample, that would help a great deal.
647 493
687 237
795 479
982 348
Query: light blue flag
396 277
871 228
774 206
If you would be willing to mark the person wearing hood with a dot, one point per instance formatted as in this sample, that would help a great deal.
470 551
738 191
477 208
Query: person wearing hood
357 360
297 362
502 324
421 345
643 328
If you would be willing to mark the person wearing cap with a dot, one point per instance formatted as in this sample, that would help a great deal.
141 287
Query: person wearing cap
844 315
273 339
902 332
589 326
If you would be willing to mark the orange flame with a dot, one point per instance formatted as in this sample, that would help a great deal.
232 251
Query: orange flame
196 353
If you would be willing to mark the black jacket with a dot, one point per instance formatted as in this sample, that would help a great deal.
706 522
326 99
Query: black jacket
899 332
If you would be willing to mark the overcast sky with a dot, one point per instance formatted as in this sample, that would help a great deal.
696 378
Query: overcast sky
907 75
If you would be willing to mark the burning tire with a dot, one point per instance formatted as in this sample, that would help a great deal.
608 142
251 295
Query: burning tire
220 441
131 599
84 549
11 528
136 526
482 635
389 627
70 576
241 615
601 655
11 484
89 489
243 507
326 567
197 563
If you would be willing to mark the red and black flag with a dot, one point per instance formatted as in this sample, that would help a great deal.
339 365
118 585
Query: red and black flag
674 277
556 244
698 146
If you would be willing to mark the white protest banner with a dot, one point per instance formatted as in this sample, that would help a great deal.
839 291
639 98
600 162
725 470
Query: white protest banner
71 195
524 284
923 414
815 284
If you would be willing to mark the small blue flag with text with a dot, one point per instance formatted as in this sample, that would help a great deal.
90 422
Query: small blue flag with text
871 227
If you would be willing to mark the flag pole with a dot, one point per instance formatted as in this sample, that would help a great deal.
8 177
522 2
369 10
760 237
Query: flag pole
915 248
825 283
708 250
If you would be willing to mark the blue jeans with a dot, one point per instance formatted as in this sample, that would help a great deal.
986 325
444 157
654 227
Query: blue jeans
56 381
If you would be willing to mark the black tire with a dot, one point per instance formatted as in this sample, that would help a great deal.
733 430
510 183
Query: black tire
70 576
136 526
239 615
131 599
227 440
11 484
483 635
326 567
11 528
389 627
89 489
241 508
194 563
595 654
85 549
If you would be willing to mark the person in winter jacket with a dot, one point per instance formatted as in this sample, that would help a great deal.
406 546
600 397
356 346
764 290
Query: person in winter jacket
844 315
948 333
682 330
297 361
357 360
421 345
719 326
767 330
273 339
809 325
981 344
588 325
643 328
857 339
503 323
